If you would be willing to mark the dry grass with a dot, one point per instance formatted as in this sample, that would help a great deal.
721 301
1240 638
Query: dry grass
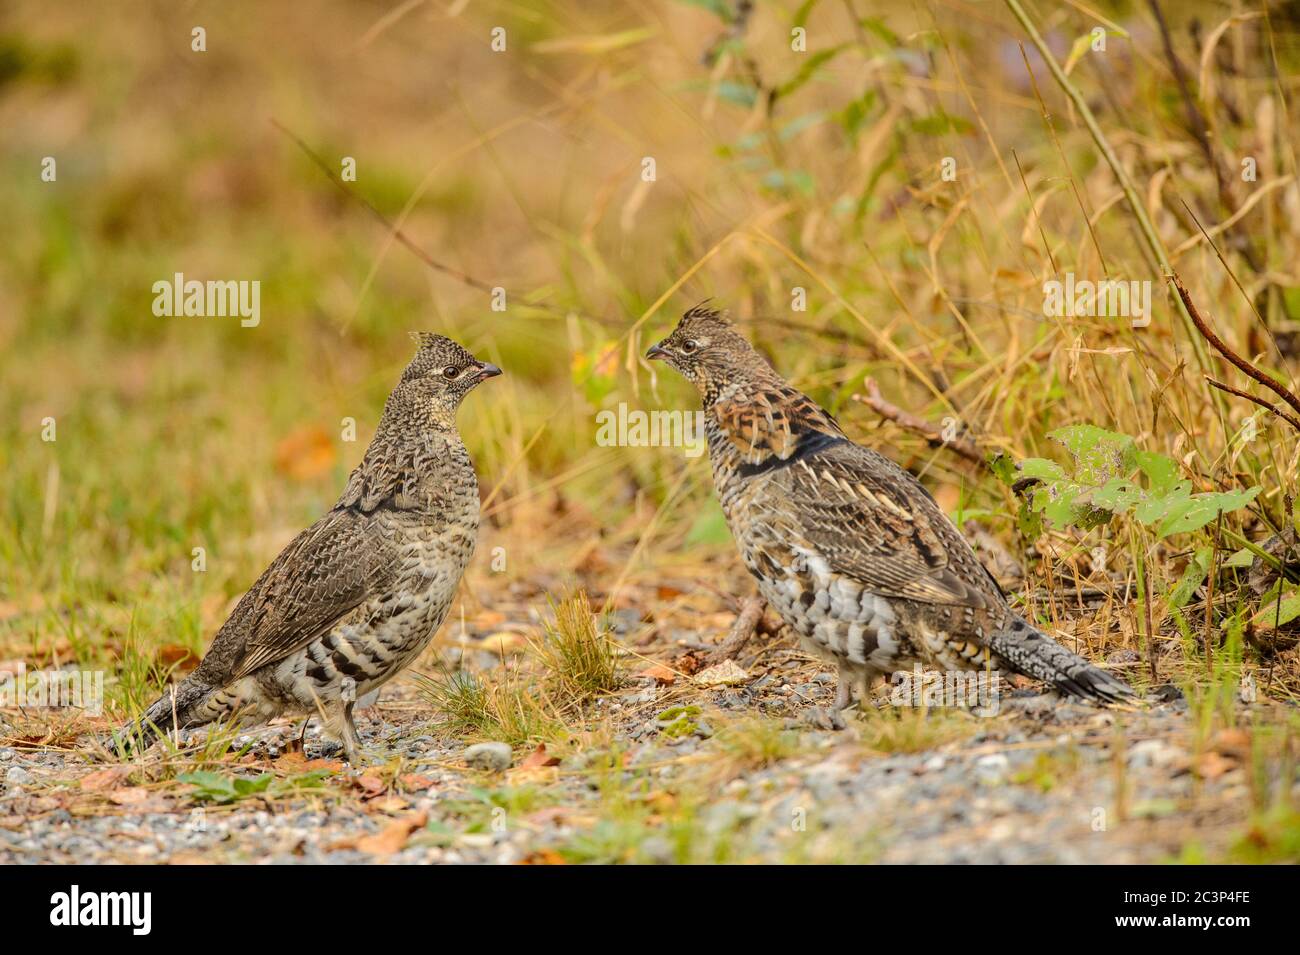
782 179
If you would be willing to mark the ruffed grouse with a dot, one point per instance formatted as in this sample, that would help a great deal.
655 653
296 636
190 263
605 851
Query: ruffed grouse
847 547
358 595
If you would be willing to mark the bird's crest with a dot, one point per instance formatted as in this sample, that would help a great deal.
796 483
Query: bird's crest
705 311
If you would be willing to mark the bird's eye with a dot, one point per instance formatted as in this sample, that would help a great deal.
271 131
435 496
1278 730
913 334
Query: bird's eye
690 345
450 372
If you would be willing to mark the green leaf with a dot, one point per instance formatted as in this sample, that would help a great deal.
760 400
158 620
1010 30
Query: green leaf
801 15
1161 472
809 68
718 8
1098 454
1116 495
742 94
1272 613
1003 468
1192 578
1041 468
939 124
1204 509
1241 558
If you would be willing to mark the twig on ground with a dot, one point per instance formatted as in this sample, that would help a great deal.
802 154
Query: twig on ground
877 402
743 630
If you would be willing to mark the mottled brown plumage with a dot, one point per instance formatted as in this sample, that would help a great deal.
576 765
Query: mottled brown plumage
847 547
355 597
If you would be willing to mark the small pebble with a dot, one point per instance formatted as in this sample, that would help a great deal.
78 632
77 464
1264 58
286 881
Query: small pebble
17 776
494 757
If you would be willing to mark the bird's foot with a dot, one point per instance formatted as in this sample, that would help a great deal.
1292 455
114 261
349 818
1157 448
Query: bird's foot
330 748
355 756
824 718
843 692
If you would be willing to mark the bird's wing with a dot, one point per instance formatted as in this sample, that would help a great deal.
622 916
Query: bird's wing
327 571
871 520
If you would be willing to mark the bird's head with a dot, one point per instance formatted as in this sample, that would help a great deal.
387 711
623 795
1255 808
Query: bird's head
710 352
443 373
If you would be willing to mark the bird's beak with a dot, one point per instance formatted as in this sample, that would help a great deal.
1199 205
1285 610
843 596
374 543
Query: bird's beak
657 351
488 370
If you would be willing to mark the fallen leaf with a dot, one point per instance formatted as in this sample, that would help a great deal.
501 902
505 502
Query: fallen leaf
543 857
292 760
1234 743
173 654
131 796
394 835
689 663
305 453
104 779
726 673
327 765
1212 765
393 804
539 757
370 784
659 673
414 782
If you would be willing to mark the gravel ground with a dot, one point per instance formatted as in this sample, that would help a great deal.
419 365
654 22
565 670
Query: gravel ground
1044 781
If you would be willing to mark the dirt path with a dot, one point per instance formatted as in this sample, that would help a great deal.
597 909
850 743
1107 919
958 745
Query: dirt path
668 774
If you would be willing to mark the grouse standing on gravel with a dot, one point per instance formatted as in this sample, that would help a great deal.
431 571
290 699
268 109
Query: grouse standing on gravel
358 595
847 547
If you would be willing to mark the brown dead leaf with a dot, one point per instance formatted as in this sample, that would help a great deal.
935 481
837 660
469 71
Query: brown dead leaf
173 654
328 765
543 857
393 837
689 663
104 779
370 784
306 453
390 804
660 674
414 782
136 797
1212 765
726 673
539 758
1234 743
295 761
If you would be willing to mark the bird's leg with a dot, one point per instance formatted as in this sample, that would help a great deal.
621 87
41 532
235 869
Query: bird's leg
351 739
342 731
844 688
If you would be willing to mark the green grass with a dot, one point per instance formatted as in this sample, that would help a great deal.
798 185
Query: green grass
171 433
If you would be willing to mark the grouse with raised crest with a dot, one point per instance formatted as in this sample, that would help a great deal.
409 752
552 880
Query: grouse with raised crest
356 597
849 549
